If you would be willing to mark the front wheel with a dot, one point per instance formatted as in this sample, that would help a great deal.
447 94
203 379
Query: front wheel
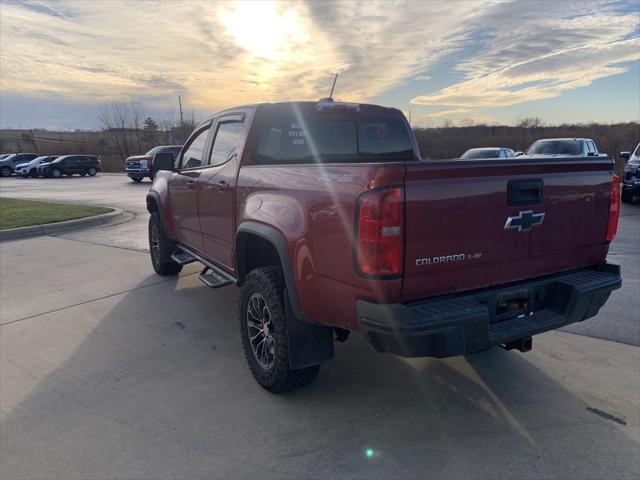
92 172
161 248
5 172
56 173
263 328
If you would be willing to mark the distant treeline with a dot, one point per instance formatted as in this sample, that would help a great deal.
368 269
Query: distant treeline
451 142
113 145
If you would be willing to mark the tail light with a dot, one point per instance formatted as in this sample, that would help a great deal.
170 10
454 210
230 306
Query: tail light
380 232
614 208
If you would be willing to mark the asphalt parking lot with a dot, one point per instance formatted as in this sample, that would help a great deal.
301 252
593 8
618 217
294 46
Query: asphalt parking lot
110 371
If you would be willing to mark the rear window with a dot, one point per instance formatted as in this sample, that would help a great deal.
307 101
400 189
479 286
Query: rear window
556 147
322 137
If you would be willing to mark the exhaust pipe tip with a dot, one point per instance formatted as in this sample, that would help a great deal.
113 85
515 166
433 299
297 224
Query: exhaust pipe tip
522 344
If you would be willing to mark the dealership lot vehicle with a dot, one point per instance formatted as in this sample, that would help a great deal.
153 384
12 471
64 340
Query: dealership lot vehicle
9 163
30 169
70 165
631 180
350 223
489 152
141 166
563 147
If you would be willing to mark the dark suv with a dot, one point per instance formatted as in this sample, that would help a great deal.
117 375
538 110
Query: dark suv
70 164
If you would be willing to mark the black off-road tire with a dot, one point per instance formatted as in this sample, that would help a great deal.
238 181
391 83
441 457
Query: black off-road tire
269 284
161 258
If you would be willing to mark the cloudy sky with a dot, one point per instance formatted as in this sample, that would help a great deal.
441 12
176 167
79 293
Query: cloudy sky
488 61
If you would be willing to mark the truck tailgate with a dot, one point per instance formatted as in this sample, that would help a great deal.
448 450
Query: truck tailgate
476 224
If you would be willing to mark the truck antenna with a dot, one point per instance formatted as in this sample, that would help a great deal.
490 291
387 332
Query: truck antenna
333 86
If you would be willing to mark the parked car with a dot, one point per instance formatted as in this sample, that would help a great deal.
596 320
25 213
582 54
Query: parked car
563 147
30 169
325 216
139 167
69 165
489 152
9 163
631 180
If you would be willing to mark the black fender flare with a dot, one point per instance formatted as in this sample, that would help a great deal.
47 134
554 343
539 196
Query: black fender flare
153 197
309 343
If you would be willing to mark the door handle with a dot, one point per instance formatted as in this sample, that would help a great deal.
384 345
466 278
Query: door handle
222 186
191 184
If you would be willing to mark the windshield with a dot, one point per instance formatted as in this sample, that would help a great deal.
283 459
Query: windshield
637 152
481 153
287 138
556 147
174 150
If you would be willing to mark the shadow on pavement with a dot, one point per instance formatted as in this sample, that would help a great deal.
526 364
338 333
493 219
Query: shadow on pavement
158 387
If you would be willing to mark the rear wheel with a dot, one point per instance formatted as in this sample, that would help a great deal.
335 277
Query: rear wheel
92 171
161 248
56 173
264 332
5 172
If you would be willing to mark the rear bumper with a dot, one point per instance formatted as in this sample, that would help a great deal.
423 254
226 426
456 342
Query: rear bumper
474 321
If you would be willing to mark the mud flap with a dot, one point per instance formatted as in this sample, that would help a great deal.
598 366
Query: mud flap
308 344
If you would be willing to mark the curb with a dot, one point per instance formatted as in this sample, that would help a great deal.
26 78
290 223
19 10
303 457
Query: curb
60 227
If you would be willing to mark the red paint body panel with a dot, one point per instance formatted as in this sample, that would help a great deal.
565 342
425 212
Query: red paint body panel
317 218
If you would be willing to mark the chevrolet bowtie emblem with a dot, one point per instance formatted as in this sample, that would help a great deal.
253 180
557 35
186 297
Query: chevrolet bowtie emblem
524 221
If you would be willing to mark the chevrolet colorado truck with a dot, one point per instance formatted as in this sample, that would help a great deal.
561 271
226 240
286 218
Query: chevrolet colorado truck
325 216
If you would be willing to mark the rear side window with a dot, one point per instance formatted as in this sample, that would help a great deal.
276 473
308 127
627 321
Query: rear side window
290 138
227 142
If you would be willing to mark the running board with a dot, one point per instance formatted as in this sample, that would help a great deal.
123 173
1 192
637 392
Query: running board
182 257
214 277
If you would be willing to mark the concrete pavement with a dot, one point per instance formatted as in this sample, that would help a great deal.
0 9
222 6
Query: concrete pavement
109 371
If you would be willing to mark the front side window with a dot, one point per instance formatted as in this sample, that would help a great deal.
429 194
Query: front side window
227 142
194 155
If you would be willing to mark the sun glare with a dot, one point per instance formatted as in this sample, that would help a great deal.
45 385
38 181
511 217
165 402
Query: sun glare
262 29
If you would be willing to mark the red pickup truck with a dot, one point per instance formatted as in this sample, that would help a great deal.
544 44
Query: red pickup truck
325 216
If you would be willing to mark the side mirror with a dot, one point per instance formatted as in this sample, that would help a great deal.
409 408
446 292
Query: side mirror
625 155
518 153
163 161
592 154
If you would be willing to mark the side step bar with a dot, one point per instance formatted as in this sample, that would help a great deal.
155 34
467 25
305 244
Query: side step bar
182 257
214 277
211 275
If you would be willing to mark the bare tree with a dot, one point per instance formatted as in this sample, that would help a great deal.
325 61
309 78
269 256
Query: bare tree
122 123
